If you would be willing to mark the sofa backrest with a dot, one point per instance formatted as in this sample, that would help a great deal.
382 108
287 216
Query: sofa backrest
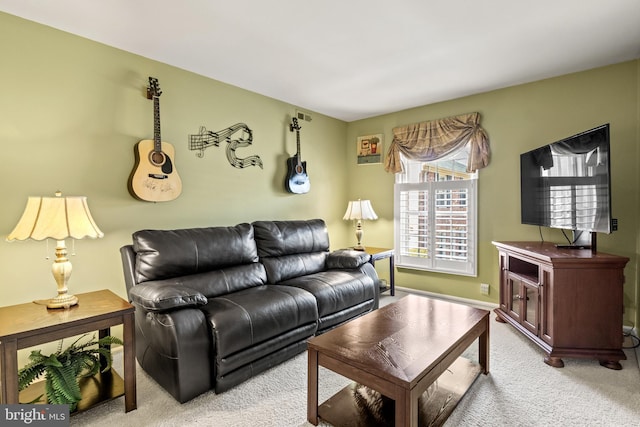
213 260
290 249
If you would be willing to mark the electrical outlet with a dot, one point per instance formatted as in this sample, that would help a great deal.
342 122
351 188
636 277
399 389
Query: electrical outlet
484 288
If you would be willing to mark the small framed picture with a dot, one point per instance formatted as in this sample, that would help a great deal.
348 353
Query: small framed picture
369 149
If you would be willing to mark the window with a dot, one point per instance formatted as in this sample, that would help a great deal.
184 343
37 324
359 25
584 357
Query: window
435 215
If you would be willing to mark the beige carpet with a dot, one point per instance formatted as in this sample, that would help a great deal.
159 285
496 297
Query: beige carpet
520 391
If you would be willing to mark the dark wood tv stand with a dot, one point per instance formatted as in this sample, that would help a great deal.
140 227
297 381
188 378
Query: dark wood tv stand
567 301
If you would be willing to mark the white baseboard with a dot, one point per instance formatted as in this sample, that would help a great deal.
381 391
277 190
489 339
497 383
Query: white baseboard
480 304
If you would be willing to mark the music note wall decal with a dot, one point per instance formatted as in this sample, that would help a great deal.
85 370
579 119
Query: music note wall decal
205 139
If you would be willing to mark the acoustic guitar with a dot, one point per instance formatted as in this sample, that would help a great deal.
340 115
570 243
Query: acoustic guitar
297 180
154 177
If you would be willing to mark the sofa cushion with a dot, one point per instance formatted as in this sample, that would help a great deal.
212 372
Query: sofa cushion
336 290
289 266
277 238
266 315
163 254
291 248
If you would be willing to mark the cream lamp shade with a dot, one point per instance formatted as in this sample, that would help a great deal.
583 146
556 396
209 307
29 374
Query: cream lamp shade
357 210
57 218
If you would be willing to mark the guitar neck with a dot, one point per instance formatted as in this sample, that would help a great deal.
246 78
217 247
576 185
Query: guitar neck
157 141
298 154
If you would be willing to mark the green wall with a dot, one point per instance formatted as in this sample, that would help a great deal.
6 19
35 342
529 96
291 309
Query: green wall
519 119
71 111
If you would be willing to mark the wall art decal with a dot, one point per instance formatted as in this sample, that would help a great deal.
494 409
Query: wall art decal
236 136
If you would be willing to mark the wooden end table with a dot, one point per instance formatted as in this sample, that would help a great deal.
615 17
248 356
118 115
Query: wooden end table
27 325
400 350
382 253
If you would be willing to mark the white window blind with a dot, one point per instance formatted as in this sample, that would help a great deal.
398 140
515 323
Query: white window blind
435 216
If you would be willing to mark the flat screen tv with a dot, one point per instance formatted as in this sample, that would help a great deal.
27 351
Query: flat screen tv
567 185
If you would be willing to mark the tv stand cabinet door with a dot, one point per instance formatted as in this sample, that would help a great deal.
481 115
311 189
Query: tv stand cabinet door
530 298
523 303
513 299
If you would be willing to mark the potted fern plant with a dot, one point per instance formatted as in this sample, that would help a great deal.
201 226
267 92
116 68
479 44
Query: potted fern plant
63 369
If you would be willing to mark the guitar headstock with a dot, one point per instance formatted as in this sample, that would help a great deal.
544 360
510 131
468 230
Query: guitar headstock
294 124
154 88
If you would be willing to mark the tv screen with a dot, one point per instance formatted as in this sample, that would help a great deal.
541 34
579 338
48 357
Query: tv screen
566 184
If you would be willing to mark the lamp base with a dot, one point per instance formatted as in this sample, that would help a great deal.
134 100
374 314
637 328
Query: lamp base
61 270
359 234
61 301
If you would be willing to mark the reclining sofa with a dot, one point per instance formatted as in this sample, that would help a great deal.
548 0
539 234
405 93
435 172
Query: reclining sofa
215 306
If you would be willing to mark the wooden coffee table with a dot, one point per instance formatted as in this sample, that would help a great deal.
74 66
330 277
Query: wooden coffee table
408 351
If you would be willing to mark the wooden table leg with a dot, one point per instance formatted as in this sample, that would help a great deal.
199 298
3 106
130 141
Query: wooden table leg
392 281
102 333
129 336
312 387
9 371
483 347
406 408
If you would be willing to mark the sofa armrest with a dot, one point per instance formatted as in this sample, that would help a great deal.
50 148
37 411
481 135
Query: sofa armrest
347 258
162 297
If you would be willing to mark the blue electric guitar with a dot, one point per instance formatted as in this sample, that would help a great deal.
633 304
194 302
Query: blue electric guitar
297 180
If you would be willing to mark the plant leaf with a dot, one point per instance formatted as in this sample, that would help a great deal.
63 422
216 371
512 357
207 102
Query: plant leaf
28 374
64 384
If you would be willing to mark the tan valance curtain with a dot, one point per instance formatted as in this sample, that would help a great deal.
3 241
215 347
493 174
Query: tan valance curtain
428 141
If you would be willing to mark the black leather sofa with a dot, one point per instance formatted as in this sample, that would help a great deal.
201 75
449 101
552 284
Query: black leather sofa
216 306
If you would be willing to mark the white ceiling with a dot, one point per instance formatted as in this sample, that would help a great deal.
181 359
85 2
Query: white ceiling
352 59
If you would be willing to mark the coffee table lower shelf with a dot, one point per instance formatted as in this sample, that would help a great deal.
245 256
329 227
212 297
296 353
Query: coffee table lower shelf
344 409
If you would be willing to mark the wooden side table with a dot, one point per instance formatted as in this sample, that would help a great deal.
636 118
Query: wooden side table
382 253
27 325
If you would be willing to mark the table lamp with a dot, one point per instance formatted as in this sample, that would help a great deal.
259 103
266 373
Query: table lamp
57 218
358 210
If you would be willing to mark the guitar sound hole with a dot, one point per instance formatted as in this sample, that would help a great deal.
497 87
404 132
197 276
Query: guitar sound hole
299 169
157 158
